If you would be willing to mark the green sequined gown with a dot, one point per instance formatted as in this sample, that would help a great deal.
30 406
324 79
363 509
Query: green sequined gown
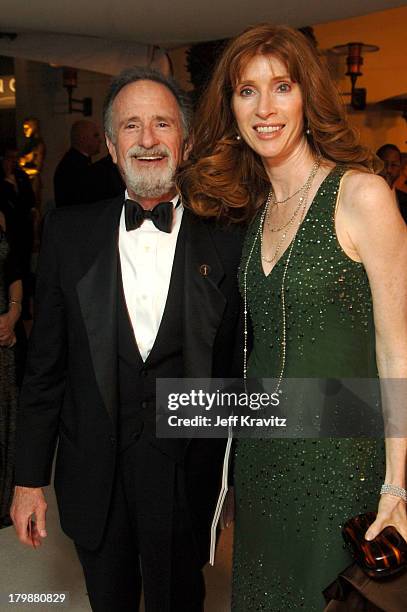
293 496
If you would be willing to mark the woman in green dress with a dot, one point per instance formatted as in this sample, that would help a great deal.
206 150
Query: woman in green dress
323 276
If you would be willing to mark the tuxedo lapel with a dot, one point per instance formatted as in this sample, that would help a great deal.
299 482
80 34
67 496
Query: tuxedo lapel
204 303
97 293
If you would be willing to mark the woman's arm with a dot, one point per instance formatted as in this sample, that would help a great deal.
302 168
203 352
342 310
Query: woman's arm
10 318
15 297
374 232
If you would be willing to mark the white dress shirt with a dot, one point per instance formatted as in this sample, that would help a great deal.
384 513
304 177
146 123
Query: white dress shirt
146 257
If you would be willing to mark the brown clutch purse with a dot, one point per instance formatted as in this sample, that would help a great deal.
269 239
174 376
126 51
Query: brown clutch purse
384 556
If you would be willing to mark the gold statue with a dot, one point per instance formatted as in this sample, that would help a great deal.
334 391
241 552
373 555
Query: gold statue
32 155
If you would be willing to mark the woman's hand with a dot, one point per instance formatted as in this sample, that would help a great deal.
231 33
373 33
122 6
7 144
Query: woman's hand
392 511
7 335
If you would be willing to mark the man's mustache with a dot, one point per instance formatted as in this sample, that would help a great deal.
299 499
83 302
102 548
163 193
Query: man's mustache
138 151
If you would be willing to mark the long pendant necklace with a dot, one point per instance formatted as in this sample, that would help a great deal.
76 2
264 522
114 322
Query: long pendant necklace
272 206
282 239
282 292
287 226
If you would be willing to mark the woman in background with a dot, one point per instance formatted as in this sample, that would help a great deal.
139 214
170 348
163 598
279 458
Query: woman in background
11 294
323 275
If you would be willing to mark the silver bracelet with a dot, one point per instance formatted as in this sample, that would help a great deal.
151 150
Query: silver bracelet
394 490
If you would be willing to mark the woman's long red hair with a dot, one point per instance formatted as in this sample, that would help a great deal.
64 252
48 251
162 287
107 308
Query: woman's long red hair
225 177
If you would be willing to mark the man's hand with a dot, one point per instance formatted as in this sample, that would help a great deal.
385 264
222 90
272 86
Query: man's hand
29 501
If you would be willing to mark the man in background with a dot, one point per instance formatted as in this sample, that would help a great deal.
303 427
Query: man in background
85 143
390 154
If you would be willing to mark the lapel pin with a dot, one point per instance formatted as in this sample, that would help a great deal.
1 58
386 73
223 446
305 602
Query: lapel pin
205 269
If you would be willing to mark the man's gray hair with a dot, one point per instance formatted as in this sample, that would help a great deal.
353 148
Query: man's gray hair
132 75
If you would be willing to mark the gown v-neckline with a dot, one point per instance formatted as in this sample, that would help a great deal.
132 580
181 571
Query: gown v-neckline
300 228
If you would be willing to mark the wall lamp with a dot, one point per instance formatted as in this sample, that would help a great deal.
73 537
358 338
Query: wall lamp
354 62
70 82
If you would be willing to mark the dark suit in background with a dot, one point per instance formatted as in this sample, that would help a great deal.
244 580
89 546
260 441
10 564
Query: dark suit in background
402 202
101 181
68 177
85 142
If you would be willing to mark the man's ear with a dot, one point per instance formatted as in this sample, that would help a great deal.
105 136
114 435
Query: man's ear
187 148
111 148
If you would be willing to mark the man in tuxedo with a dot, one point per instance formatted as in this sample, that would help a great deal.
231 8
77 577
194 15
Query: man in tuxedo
129 291
85 142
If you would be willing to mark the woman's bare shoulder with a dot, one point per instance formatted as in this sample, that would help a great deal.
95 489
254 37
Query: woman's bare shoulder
365 191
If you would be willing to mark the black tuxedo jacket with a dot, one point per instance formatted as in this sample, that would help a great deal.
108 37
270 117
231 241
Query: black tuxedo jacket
70 391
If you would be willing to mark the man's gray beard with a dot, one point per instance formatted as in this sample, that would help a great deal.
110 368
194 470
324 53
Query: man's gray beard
150 182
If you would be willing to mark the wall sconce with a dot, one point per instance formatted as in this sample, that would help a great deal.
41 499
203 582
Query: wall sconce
354 62
70 82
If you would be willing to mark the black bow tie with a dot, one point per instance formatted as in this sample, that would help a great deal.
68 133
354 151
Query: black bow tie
160 215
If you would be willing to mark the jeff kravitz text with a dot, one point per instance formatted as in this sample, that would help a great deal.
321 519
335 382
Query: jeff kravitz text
230 421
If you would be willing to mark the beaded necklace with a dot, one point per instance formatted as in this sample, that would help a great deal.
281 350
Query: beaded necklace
302 202
290 196
259 233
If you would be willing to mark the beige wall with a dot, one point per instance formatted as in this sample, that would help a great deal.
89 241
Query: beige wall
384 72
